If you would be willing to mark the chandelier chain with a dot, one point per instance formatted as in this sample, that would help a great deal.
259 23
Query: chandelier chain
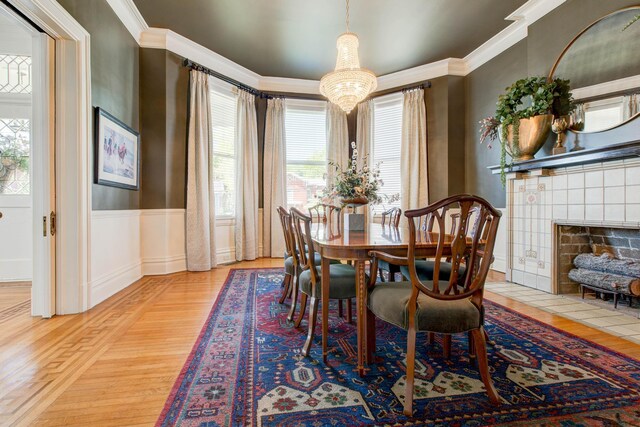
347 16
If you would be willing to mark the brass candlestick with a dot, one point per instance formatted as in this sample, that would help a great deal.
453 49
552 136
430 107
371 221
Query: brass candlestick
559 126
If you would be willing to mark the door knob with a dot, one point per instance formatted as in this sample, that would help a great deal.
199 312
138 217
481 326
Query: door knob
0 215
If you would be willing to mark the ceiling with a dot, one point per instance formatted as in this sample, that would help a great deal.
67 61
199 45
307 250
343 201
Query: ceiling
296 38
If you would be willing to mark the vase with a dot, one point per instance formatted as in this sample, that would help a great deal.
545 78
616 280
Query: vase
533 133
354 201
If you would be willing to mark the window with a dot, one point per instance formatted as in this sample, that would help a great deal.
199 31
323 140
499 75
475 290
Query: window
14 156
306 151
15 74
223 118
387 138
599 115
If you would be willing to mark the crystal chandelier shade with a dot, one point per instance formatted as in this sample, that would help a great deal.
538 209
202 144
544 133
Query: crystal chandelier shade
348 84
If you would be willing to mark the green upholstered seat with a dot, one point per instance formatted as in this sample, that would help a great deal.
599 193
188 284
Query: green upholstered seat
389 301
288 263
425 269
342 282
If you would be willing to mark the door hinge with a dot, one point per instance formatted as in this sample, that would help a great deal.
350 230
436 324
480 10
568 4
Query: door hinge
44 226
53 223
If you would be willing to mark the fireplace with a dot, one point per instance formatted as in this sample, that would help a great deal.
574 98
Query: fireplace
557 213
606 243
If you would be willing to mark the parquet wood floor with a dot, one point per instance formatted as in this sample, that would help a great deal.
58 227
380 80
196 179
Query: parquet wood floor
115 365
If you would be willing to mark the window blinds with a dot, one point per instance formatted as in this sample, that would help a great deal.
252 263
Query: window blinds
387 138
306 151
223 119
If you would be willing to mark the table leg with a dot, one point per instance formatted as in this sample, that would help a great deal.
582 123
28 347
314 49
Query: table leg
324 266
361 314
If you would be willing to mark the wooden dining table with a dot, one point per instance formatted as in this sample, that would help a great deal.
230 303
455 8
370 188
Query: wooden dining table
333 243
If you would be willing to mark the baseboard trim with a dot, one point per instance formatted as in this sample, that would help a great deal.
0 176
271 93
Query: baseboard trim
112 283
163 265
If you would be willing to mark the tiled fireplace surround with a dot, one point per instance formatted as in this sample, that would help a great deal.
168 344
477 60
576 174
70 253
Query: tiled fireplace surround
540 201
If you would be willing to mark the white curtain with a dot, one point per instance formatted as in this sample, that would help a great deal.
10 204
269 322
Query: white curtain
200 217
337 140
630 105
364 132
413 152
246 228
577 116
275 179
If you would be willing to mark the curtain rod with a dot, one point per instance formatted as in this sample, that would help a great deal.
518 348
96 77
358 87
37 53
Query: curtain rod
195 66
264 95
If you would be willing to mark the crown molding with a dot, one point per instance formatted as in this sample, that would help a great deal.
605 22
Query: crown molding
611 87
130 16
283 84
445 67
159 38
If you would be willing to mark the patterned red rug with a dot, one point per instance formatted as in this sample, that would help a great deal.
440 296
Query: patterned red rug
246 369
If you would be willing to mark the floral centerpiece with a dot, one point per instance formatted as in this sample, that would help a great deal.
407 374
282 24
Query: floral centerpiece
356 186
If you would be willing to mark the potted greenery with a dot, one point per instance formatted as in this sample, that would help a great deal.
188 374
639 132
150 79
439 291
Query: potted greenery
523 117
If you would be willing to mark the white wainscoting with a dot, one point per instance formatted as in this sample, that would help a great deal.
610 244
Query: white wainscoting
115 253
162 240
15 226
126 245
500 249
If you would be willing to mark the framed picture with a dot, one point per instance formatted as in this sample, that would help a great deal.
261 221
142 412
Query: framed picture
117 152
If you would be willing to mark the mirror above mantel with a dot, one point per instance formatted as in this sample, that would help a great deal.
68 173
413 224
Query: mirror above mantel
603 65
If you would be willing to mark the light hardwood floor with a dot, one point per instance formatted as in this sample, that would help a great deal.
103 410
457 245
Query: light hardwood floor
115 365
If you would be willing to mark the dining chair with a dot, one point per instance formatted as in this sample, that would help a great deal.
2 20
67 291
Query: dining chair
440 306
289 252
390 218
342 277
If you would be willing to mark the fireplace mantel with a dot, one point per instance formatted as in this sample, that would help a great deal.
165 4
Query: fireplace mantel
542 196
575 158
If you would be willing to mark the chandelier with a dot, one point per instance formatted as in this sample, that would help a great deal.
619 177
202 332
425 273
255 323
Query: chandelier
348 84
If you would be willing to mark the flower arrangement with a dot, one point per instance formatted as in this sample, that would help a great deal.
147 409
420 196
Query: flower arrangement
357 186
545 96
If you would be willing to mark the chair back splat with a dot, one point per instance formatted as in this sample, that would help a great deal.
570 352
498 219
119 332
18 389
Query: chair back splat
302 233
392 216
285 221
471 243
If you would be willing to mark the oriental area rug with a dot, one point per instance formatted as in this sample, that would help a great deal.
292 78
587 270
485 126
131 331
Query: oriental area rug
246 369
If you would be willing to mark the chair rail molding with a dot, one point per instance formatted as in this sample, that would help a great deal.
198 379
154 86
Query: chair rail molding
73 139
160 38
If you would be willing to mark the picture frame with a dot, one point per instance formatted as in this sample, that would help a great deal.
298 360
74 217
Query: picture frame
116 152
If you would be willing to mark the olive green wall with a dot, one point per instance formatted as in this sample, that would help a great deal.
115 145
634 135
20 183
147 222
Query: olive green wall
114 82
164 86
535 55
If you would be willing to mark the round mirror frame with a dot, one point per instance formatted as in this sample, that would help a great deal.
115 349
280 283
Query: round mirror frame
568 46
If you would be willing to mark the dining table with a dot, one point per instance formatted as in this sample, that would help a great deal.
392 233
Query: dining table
333 242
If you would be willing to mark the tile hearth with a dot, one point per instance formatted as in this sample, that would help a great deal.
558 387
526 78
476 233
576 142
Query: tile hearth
614 322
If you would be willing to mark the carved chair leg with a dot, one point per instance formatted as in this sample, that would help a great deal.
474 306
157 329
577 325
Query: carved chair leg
431 337
303 308
350 311
340 309
446 346
487 339
411 357
286 283
472 348
294 299
313 315
483 364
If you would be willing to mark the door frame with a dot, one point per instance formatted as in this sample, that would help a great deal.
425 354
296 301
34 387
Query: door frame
73 130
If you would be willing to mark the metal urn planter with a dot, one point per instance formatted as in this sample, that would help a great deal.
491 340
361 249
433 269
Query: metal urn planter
533 133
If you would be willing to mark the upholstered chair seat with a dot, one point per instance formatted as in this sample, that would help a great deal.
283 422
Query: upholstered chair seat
389 302
425 269
342 279
288 263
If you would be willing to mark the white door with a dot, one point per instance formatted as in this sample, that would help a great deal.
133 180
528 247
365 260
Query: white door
43 295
